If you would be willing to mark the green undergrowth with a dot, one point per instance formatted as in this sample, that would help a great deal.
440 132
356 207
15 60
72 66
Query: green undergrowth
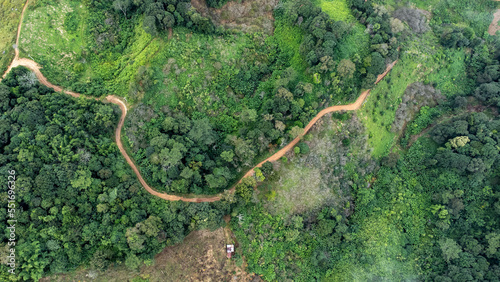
288 39
88 52
52 37
337 9
357 43
188 67
422 60
10 13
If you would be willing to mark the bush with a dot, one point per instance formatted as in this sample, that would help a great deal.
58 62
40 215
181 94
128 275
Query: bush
304 148
346 142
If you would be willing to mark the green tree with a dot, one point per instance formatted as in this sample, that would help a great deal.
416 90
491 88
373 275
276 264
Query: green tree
346 68
132 262
122 5
450 249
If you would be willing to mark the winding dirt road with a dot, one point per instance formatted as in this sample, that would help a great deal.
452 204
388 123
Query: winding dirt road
33 66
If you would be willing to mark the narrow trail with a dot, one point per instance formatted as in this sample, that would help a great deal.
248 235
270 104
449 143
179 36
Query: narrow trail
494 27
33 66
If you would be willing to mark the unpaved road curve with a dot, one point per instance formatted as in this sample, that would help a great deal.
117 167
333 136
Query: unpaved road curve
350 107
33 66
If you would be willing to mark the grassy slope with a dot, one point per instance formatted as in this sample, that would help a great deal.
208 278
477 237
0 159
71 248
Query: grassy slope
195 61
44 38
421 60
357 40
289 39
10 13
140 52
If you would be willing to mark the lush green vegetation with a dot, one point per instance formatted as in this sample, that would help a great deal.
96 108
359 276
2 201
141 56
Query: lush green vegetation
428 212
77 202
302 206
217 113
407 188
336 9
48 27
96 47
10 14
433 57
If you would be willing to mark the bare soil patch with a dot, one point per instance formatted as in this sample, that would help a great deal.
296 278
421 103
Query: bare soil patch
201 257
247 16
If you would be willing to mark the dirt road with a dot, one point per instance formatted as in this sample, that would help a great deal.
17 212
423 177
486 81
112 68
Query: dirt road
33 66
494 27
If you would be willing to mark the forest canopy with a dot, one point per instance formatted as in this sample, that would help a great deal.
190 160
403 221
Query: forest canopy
405 188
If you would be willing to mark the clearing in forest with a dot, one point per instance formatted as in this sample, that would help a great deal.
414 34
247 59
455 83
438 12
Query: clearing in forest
200 257
337 9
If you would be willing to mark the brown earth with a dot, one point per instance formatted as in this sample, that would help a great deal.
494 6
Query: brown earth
246 15
33 66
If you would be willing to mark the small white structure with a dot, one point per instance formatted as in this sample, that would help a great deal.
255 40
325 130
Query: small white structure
229 250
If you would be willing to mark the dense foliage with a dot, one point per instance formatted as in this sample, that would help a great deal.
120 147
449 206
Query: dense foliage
208 103
429 213
201 134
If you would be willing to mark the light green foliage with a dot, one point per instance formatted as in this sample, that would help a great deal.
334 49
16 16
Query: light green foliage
296 131
312 177
59 36
258 175
355 43
45 37
227 156
451 77
493 244
244 190
191 66
338 10
10 14
82 179
289 39
450 249
380 244
459 141
133 262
